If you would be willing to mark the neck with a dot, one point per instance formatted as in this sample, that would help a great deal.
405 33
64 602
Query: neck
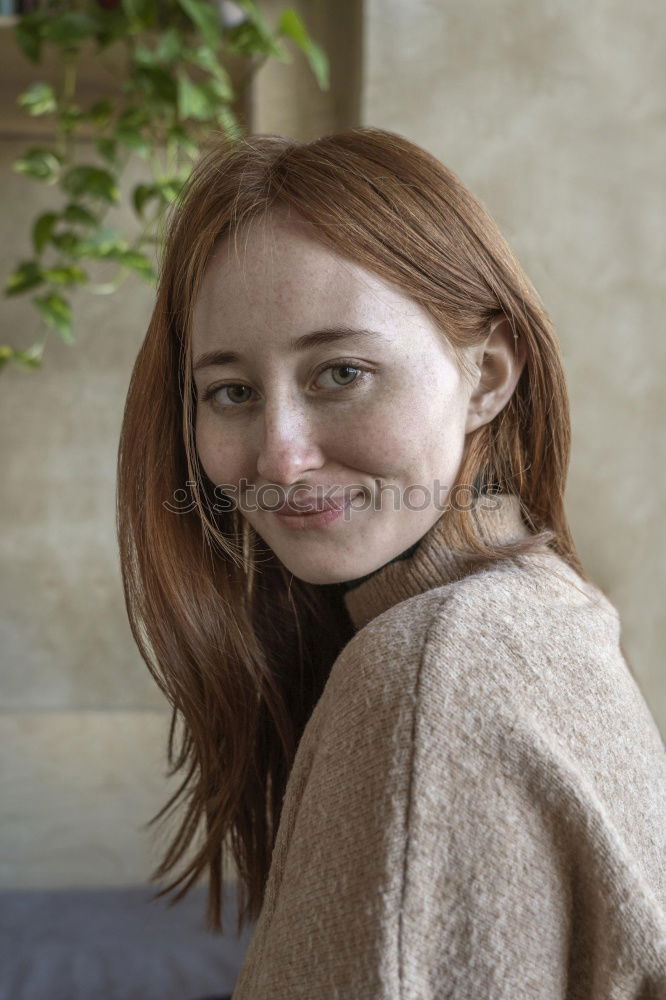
434 560
350 584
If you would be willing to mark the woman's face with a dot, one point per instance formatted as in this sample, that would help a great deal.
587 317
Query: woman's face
330 379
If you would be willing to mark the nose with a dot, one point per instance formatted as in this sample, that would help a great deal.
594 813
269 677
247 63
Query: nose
290 442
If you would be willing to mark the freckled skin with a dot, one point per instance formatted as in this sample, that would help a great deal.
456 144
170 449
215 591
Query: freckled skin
405 424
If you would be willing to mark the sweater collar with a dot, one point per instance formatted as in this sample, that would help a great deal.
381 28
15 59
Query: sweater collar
434 561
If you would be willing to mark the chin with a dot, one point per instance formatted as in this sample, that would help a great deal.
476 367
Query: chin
320 574
319 577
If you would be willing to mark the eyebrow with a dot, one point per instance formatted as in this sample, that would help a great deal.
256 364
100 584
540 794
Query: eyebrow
317 338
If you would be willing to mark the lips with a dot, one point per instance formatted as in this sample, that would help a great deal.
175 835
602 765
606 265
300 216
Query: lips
291 510
331 503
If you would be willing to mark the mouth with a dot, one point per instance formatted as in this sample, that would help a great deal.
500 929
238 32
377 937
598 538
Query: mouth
313 515
333 503
313 506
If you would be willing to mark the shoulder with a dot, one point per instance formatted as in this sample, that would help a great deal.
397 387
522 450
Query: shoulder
526 639
533 605
525 644
501 703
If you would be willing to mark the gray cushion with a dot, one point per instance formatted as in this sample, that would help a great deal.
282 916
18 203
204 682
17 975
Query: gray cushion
114 944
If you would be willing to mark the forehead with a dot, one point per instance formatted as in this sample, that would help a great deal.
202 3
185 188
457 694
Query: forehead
273 273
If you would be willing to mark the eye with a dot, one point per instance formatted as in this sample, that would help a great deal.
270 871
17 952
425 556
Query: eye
232 388
349 374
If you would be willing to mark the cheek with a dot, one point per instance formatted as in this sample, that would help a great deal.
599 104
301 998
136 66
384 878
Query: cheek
220 452
423 438
368 439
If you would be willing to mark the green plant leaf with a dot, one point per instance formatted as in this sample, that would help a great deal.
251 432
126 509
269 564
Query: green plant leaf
70 275
144 56
92 181
156 85
169 49
142 195
140 13
221 89
38 99
171 188
291 26
134 118
100 113
253 36
206 18
28 35
78 215
138 262
103 243
180 138
112 24
319 65
194 100
70 117
206 58
27 275
134 140
107 149
32 358
229 123
57 314
42 230
68 242
69 28
42 164
256 17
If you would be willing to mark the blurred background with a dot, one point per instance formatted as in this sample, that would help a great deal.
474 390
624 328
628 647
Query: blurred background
552 114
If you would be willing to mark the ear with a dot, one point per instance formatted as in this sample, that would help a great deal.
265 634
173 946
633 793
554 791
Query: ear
500 360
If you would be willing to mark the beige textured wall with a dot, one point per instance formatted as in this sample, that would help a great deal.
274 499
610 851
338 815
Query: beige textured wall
549 113
82 725
552 113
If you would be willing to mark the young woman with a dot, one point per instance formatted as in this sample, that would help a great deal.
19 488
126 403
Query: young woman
404 706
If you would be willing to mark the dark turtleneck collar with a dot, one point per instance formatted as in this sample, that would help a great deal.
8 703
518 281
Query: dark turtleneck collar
349 584
432 561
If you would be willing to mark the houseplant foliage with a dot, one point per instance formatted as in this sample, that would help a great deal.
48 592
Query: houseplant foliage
173 89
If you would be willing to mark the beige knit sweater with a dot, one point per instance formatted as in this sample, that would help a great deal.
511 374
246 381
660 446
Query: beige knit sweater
477 807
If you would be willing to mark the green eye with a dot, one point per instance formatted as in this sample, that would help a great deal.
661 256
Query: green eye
345 375
348 369
232 389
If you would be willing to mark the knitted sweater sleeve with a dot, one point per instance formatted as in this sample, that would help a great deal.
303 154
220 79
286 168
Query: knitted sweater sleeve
439 841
